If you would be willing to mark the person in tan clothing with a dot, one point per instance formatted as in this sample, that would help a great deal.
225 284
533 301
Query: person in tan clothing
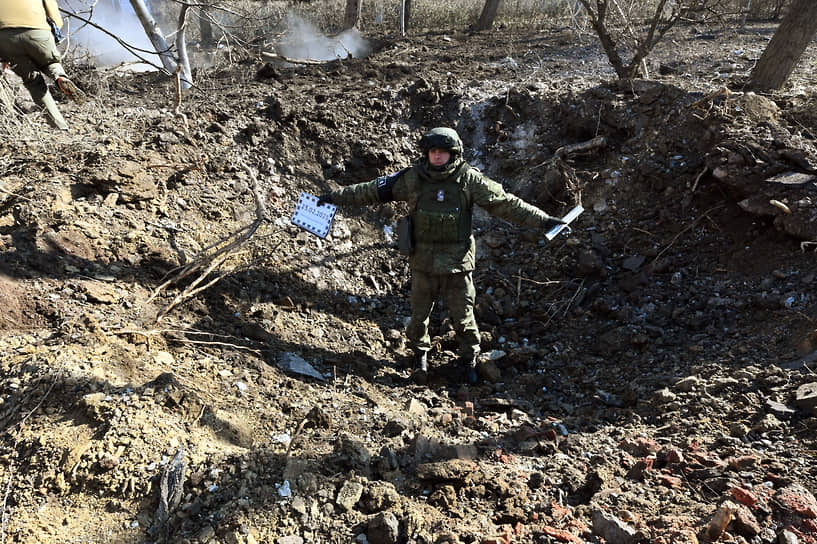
28 45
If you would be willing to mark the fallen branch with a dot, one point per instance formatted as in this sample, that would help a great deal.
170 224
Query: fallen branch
723 91
213 256
566 151
581 147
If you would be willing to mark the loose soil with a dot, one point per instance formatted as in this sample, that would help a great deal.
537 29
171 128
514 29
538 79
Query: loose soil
646 377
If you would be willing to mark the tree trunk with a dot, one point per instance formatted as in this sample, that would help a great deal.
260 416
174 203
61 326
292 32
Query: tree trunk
154 33
186 77
206 28
352 16
405 15
486 18
788 44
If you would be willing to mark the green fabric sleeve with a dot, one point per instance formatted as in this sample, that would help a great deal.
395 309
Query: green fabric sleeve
491 196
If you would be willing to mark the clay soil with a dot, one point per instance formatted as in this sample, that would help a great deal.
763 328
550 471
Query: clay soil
647 376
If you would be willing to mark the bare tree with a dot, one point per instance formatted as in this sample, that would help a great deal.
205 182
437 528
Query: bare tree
170 63
486 18
662 20
352 16
788 44
405 15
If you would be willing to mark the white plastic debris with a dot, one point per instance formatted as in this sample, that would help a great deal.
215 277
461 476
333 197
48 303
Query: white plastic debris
282 438
284 489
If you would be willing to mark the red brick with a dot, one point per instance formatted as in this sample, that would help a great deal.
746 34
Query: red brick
799 500
743 496
674 457
561 535
671 481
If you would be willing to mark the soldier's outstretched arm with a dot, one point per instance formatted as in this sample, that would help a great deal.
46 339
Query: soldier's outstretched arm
491 196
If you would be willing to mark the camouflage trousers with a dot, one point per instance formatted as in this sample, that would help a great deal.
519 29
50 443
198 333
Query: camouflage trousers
458 294
32 52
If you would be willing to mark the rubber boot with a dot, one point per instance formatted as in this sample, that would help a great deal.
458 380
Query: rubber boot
420 375
39 92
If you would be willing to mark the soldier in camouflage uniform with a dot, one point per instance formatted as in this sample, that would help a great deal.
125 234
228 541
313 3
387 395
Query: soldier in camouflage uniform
27 43
441 190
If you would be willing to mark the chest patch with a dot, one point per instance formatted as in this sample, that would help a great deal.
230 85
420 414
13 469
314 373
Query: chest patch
440 195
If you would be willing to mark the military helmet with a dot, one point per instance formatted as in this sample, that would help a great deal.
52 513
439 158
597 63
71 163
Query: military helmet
442 138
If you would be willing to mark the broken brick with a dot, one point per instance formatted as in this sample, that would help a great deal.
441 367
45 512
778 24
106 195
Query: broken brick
743 496
561 535
671 481
799 500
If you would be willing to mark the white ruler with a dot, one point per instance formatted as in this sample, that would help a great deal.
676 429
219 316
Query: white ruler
571 215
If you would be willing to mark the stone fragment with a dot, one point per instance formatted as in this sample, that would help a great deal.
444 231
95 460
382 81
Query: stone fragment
612 529
787 537
290 539
806 397
452 470
416 408
640 446
744 522
639 470
720 520
348 495
383 529
685 385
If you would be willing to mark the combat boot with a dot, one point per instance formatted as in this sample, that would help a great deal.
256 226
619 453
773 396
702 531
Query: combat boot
420 375
471 374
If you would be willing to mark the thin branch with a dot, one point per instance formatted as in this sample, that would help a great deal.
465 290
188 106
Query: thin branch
130 48
207 261
685 229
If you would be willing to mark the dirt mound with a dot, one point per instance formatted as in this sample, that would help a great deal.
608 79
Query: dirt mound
645 378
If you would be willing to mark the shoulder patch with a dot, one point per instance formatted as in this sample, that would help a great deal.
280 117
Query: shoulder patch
385 184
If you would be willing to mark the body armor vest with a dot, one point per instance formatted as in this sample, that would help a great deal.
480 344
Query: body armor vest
442 213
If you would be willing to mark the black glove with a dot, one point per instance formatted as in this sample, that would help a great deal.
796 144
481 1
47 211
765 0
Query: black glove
325 199
552 222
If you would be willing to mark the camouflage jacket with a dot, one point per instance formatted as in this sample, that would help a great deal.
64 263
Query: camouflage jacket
29 14
441 206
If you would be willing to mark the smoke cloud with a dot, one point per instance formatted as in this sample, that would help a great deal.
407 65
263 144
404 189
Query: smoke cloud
303 41
102 50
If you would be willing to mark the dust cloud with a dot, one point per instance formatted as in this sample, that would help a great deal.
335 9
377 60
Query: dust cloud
304 41
102 50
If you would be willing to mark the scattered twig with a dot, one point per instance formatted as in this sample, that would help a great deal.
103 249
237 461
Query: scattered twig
804 245
529 280
214 256
648 233
698 178
576 294
295 434
688 227
15 194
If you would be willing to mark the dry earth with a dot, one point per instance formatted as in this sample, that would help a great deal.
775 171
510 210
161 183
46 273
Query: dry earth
648 377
